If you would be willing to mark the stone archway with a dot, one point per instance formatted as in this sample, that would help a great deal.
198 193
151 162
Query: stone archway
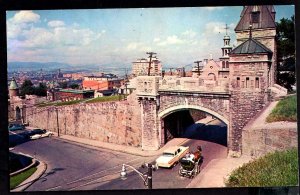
174 109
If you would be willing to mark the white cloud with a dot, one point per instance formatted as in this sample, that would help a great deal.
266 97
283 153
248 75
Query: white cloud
215 28
190 33
25 17
171 40
155 40
133 46
56 23
213 8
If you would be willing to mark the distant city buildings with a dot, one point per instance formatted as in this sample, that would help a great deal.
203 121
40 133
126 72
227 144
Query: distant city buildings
140 67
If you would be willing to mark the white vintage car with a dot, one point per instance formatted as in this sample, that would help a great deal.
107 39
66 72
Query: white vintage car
38 136
171 156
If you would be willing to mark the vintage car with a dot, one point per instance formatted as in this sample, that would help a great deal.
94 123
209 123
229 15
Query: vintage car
171 156
41 134
15 127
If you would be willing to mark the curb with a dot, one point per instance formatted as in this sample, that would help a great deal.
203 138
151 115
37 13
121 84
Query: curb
41 168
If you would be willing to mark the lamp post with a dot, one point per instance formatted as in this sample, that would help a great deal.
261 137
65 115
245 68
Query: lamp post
147 178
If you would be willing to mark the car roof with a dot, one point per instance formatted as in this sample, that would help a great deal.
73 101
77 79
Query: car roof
172 149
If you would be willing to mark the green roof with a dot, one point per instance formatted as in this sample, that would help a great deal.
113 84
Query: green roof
13 84
75 91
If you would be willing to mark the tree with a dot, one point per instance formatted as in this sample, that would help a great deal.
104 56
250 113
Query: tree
286 52
74 86
27 88
63 85
41 90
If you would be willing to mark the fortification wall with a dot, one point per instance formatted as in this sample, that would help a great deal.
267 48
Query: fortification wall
115 122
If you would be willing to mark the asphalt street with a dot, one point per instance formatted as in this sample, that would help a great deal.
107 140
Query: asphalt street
73 166
169 178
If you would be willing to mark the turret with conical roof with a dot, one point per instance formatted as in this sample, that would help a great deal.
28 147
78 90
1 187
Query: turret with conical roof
13 88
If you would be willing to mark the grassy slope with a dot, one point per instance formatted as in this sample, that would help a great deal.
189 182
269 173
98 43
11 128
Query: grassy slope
285 110
275 169
17 179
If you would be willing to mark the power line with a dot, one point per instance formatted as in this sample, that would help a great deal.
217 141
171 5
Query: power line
150 56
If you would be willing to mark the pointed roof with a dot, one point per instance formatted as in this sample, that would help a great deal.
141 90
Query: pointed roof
267 17
13 84
251 46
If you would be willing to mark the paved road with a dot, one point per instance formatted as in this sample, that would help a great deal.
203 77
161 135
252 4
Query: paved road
72 166
169 178
79 167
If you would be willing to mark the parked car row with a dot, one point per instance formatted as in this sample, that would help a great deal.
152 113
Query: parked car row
15 127
36 133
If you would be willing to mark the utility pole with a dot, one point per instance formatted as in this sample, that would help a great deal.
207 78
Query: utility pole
198 62
126 78
149 175
57 122
150 56
171 71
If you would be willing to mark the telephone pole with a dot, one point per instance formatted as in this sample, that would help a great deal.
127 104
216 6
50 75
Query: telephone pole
198 62
150 56
57 121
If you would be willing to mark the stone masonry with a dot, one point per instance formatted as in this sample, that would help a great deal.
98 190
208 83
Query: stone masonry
114 122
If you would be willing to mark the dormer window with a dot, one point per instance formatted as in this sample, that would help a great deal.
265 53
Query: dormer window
255 16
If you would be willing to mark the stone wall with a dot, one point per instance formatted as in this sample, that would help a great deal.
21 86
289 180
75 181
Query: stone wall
115 122
258 142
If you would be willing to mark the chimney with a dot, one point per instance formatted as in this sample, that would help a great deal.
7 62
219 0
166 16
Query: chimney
210 56
205 62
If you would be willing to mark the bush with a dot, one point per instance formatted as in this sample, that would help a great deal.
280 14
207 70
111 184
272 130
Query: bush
285 110
274 169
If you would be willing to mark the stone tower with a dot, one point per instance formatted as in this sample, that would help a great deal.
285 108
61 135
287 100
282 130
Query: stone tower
13 89
249 67
262 19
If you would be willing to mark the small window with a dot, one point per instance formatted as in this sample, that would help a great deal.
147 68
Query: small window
227 64
247 82
223 64
255 17
238 82
256 82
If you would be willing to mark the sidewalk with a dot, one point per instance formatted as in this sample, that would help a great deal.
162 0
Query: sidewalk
217 170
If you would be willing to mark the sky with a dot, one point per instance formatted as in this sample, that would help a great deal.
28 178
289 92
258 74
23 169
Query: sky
117 37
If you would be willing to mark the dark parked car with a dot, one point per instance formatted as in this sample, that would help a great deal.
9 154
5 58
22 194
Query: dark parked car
14 127
34 132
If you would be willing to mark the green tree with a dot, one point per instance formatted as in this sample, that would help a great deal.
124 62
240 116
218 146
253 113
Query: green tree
26 88
74 86
286 52
63 85
41 90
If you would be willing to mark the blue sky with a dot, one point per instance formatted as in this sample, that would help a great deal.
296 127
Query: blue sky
118 37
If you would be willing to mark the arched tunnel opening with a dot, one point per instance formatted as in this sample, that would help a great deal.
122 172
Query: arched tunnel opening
194 124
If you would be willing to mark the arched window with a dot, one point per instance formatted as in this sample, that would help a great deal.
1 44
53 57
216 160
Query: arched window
238 82
227 64
247 82
256 82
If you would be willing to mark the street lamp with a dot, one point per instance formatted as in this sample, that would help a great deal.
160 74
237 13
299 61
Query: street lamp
147 178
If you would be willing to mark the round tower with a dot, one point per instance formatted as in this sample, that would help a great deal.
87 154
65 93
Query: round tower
13 88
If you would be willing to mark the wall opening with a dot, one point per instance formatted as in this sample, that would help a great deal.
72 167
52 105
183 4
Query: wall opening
193 124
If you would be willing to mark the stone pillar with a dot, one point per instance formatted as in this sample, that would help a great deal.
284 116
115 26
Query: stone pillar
150 133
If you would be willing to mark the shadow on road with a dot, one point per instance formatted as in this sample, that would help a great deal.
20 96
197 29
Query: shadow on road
213 133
